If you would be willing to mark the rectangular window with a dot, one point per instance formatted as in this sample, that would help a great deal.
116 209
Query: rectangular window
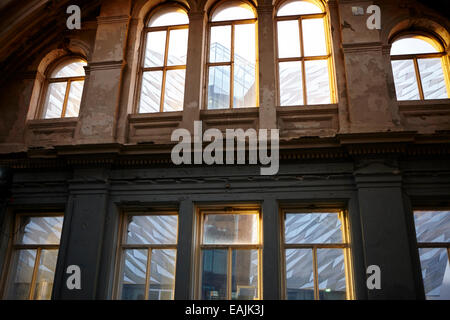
33 257
316 255
433 240
148 252
230 250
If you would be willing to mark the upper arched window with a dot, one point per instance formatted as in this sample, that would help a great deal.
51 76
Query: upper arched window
64 90
418 69
304 54
232 57
163 66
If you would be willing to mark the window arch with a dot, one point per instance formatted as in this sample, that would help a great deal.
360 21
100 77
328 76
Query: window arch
232 56
304 54
64 89
419 69
163 66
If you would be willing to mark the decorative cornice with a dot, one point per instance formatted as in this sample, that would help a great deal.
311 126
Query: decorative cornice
106 65
362 47
113 19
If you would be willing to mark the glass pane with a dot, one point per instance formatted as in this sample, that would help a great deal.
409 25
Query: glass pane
152 229
412 46
312 228
331 272
174 91
405 80
291 92
45 275
74 101
299 274
178 41
22 272
220 44
230 229
290 8
233 10
214 274
219 87
155 50
432 226
432 76
54 101
69 69
314 37
151 92
162 275
40 230
134 274
288 39
317 82
435 273
244 275
168 17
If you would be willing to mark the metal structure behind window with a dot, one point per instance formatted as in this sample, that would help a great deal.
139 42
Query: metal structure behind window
304 54
163 67
418 67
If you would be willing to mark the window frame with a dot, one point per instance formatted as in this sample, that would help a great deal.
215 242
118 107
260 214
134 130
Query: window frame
14 247
49 80
142 69
416 56
302 59
345 246
230 63
201 212
122 246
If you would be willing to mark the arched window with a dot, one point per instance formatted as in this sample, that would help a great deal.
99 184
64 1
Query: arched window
64 90
163 67
304 54
232 59
417 65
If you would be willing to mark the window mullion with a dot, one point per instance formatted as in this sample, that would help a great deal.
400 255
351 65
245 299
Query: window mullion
302 53
147 273
163 86
419 78
232 67
33 278
229 273
316 274
66 98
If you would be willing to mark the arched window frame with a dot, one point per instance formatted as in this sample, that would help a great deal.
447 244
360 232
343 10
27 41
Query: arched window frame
209 64
433 40
48 80
329 48
146 30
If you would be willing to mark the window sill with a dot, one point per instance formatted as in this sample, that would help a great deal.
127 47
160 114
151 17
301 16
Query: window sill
51 131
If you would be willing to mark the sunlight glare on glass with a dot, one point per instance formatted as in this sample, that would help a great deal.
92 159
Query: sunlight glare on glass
171 17
291 8
412 46
70 69
234 10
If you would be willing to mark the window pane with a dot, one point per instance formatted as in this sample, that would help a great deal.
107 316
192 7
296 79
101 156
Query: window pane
331 272
432 76
151 92
22 272
219 87
288 39
432 226
134 274
312 228
244 279
178 41
299 274
412 46
214 274
40 230
220 44
405 80
45 275
298 7
174 91
230 229
162 275
314 37
233 10
69 69
74 101
55 100
317 82
169 17
291 92
152 229
244 67
156 45
435 273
